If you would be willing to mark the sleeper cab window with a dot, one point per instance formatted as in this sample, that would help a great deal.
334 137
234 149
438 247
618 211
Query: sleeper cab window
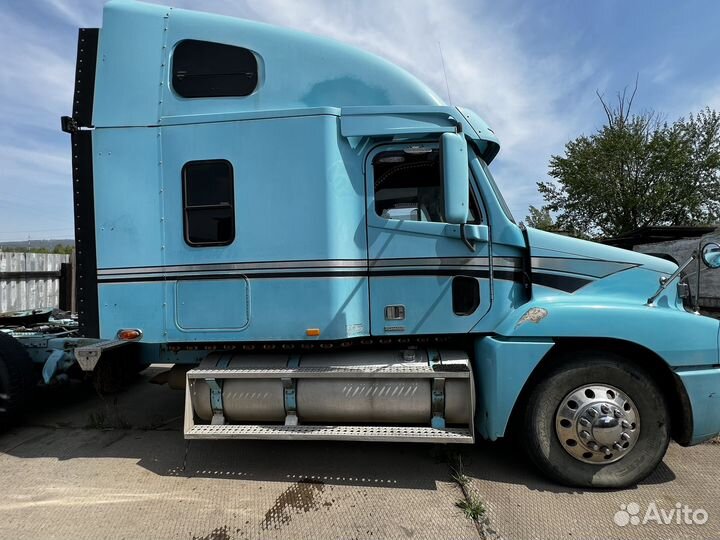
208 203
203 69
408 186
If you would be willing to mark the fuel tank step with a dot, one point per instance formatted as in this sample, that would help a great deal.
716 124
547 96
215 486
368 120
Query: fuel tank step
391 395
331 433
456 370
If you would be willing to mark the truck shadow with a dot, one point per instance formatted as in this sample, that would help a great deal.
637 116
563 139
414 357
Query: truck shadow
143 423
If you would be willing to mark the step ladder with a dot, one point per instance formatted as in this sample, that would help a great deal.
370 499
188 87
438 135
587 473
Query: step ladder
438 383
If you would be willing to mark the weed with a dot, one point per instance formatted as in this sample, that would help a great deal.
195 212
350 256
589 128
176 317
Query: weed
472 507
457 471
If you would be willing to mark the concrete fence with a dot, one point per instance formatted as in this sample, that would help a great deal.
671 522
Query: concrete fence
30 280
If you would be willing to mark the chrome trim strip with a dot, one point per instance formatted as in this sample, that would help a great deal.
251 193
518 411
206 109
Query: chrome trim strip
310 265
272 265
434 261
584 267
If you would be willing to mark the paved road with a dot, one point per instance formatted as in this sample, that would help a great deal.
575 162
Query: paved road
91 468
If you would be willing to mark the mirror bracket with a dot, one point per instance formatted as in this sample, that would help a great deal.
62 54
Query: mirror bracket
666 281
469 243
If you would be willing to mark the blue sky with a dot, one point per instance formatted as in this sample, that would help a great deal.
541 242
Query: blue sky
530 68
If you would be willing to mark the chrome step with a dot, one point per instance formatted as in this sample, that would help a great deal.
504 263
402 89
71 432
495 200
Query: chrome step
415 370
332 433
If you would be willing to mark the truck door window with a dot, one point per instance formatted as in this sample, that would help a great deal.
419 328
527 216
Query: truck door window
205 69
409 187
208 201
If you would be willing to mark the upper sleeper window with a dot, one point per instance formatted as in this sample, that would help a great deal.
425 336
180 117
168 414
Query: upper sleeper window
206 69
208 202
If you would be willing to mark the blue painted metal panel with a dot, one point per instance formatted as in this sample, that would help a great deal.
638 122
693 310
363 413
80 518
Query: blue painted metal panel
128 197
215 304
501 369
427 300
299 190
703 389
128 75
283 309
613 307
134 305
557 245
428 305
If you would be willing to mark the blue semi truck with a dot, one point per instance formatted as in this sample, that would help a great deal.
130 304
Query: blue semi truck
316 242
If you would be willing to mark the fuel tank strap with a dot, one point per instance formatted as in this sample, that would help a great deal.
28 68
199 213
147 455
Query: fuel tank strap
290 392
216 391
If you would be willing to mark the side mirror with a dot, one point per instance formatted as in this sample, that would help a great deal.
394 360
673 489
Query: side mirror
456 188
711 255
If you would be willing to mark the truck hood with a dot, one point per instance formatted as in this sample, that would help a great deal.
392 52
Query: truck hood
555 256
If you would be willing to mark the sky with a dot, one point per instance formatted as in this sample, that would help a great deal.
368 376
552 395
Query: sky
531 69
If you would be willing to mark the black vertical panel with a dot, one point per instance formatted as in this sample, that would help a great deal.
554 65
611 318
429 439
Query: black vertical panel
85 76
83 191
84 206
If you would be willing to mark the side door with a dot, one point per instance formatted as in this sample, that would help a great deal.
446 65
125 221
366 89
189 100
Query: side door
424 277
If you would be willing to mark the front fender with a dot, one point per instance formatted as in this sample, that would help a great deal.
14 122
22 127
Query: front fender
680 338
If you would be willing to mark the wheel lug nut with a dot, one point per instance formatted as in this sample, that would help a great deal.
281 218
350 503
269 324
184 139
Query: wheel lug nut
604 408
606 450
617 446
593 412
625 424
585 435
595 447
617 412
625 437
585 422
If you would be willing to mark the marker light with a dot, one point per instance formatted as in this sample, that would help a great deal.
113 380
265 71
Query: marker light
129 334
312 332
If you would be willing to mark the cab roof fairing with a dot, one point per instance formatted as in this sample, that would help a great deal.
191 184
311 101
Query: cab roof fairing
297 70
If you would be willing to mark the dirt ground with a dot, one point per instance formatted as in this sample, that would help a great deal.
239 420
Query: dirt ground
82 466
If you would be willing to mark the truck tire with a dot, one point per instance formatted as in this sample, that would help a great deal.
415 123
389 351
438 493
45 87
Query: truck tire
597 421
16 380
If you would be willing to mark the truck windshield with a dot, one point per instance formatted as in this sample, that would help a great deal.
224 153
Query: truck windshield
494 187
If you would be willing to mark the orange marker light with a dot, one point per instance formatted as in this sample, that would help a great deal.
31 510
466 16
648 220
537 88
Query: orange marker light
129 334
312 332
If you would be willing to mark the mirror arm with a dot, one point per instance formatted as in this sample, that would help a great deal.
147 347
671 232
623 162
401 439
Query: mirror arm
664 284
463 237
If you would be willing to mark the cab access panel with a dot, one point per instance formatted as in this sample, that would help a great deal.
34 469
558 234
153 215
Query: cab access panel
249 230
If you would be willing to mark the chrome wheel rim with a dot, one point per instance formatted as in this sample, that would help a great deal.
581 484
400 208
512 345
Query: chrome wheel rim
597 424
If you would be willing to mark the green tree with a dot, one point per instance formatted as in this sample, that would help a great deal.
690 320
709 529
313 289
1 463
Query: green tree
636 171
63 249
540 218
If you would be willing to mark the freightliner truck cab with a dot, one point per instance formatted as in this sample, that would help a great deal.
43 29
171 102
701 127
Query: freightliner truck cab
317 243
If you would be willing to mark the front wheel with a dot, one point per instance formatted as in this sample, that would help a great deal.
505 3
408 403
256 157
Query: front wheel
596 421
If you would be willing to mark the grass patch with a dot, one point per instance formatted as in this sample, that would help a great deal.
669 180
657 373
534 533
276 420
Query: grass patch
472 507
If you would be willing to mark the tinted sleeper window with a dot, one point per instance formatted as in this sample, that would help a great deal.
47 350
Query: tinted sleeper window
206 69
208 200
